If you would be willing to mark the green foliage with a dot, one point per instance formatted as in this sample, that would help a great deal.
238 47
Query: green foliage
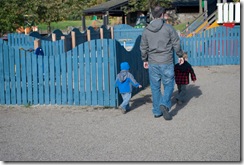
145 5
63 25
10 15
42 11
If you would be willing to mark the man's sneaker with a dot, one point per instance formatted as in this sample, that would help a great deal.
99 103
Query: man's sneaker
166 113
157 116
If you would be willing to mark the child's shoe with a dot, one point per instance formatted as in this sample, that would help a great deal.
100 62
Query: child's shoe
122 110
179 102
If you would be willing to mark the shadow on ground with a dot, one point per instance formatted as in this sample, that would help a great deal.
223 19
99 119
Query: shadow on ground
192 91
135 103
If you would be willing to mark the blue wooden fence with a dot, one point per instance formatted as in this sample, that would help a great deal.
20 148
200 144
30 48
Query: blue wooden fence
85 75
216 46
80 37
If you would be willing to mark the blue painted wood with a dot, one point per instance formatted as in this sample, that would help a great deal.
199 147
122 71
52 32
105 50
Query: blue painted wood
76 76
57 60
87 68
82 74
64 78
6 75
112 74
35 77
69 78
2 82
95 34
100 71
12 76
94 80
18 76
46 79
52 80
91 61
106 72
40 79
23 77
30 82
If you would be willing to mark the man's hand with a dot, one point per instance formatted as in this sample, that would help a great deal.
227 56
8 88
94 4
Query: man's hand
181 61
145 65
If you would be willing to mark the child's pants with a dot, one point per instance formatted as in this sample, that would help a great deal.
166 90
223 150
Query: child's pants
181 92
126 99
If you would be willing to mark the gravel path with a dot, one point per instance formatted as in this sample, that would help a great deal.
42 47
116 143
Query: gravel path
206 128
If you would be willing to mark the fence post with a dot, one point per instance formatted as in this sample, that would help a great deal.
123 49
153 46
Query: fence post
205 10
37 43
88 35
101 33
112 32
65 46
54 37
73 39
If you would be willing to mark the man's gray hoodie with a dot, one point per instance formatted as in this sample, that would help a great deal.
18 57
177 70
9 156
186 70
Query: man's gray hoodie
158 42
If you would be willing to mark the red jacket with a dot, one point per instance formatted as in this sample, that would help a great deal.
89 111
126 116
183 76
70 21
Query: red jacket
182 73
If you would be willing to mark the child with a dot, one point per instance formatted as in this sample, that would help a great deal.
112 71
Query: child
182 78
124 82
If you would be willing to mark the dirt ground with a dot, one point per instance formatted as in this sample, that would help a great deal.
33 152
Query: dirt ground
205 128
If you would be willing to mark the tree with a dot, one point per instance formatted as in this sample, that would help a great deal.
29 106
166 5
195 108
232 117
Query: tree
145 5
12 15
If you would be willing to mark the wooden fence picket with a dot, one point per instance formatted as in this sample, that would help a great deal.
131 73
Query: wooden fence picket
85 75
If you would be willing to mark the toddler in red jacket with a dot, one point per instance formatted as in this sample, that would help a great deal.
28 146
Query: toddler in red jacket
182 78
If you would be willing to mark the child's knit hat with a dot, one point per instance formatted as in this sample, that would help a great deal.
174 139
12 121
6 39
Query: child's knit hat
124 66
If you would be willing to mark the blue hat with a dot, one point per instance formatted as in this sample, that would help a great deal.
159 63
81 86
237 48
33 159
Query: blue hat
124 66
39 51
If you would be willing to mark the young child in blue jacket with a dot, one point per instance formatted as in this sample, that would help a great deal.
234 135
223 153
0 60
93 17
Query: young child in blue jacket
124 81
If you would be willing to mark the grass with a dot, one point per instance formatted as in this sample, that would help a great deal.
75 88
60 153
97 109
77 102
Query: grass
63 25
180 27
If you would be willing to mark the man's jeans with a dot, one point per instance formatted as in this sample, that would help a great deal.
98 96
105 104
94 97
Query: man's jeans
126 99
161 73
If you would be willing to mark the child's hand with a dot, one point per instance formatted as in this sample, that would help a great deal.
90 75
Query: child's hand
140 86
145 65
181 61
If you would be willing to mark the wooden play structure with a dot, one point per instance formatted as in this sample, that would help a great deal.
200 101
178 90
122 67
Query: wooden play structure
227 14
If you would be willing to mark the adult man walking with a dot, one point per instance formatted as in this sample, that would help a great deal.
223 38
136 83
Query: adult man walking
157 44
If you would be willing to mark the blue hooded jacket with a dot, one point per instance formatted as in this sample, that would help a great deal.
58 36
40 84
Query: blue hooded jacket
125 80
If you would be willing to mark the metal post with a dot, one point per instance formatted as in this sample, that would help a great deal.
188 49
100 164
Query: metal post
83 23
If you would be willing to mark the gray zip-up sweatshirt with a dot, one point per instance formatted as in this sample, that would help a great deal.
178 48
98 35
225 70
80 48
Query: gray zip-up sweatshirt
158 42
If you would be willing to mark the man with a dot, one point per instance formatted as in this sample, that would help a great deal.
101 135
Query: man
157 44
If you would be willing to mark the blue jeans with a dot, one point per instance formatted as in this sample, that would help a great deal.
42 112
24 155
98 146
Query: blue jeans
126 99
161 73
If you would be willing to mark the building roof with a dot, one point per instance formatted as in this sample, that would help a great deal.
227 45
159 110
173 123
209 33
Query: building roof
112 6
177 3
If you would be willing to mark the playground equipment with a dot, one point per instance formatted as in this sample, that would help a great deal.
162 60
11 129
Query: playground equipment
29 25
227 14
